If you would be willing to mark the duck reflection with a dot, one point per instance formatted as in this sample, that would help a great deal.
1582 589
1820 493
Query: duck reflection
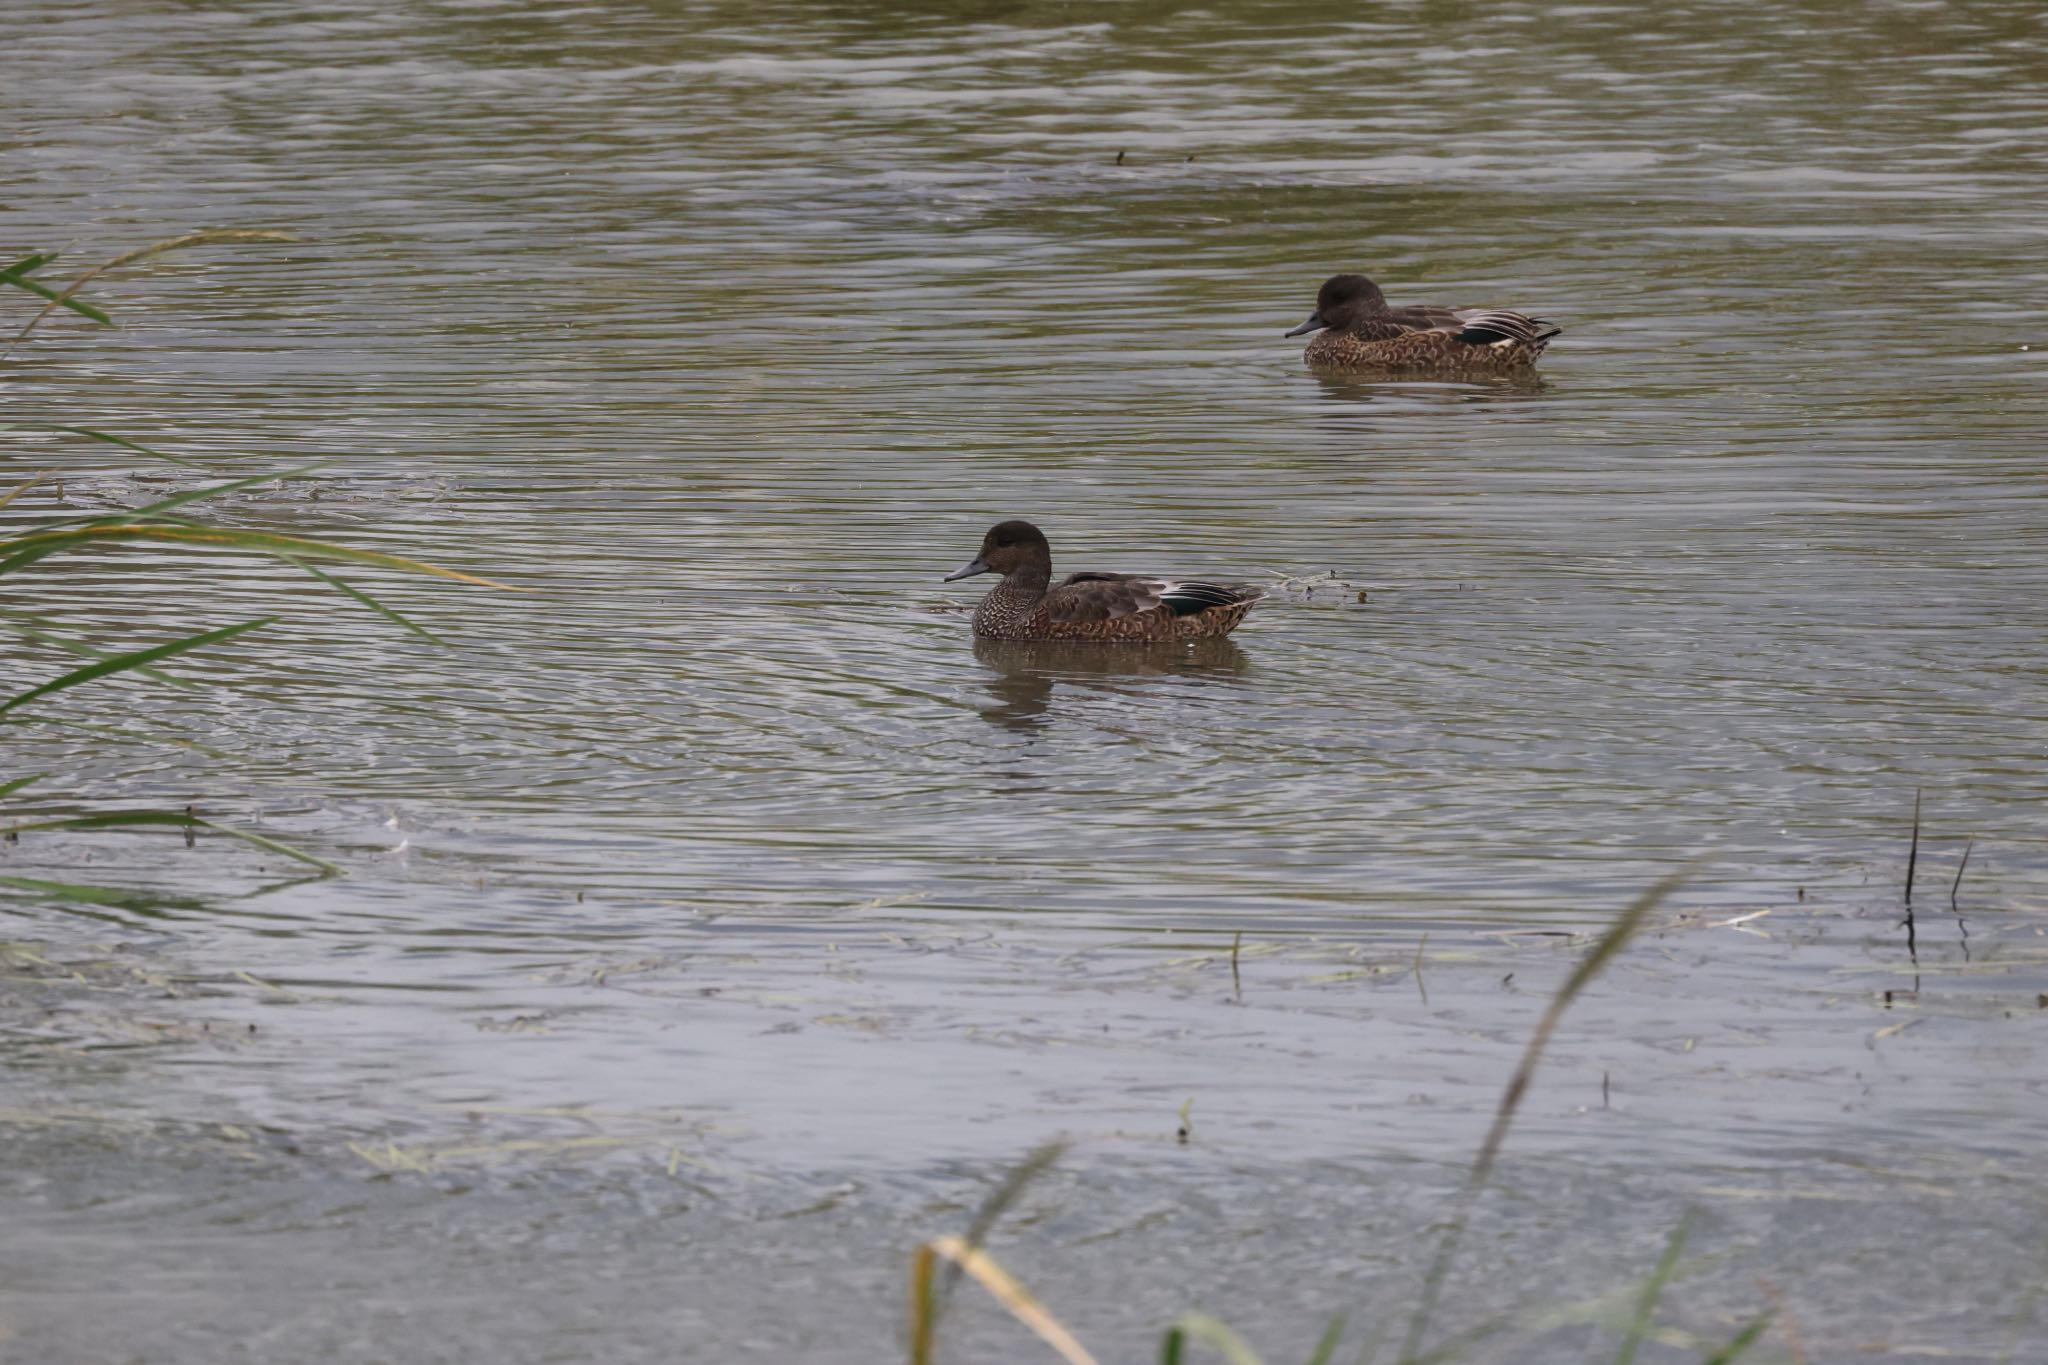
1355 386
1024 675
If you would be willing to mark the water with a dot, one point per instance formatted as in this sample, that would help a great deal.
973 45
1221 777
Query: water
718 876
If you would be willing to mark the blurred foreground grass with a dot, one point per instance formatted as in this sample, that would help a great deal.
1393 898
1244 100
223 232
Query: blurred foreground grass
930 1286
165 522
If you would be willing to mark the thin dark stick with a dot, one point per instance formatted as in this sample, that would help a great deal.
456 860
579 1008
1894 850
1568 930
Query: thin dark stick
1962 925
1912 860
1236 986
1913 856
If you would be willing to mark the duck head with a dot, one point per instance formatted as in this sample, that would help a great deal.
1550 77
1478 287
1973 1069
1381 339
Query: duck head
1008 547
1342 300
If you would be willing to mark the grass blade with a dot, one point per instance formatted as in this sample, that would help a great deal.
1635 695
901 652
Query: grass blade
146 903
9 274
372 603
924 1304
1590 966
23 487
135 659
1006 1290
36 544
929 1301
1327 1347
125 444
86 651
157 509
1740 1343
202 238
24 558
11 787
1667 1264
41 290
1035 1164
1210 1332
128 819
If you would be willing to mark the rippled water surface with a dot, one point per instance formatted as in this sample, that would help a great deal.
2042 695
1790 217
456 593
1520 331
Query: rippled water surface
716 897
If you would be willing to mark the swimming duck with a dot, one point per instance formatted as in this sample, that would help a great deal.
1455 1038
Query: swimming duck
1360 332
1027 605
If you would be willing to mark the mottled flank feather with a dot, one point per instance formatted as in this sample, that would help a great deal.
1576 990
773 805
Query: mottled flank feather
1359 331
1094 606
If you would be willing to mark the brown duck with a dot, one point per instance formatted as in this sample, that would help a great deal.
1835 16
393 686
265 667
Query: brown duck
1027 605
1360 332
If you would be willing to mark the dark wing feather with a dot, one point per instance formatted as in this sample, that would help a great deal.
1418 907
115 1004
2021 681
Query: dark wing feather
1490 327
1189 596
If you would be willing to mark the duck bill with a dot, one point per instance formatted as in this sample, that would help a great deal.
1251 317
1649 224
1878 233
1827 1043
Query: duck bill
977 566
1315 323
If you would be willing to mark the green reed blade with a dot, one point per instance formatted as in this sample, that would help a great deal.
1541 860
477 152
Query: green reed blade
200 494
372 603
1740 1343
202 238
86 651
120 663
1591 965
126 444
1667 1264
141 902
1209 1331
156 511
124 819
11 787
1327 1347
25 265
23 558
11 494
41 290
39 543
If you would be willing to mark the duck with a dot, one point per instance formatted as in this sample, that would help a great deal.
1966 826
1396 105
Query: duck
1028 605
1359 331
